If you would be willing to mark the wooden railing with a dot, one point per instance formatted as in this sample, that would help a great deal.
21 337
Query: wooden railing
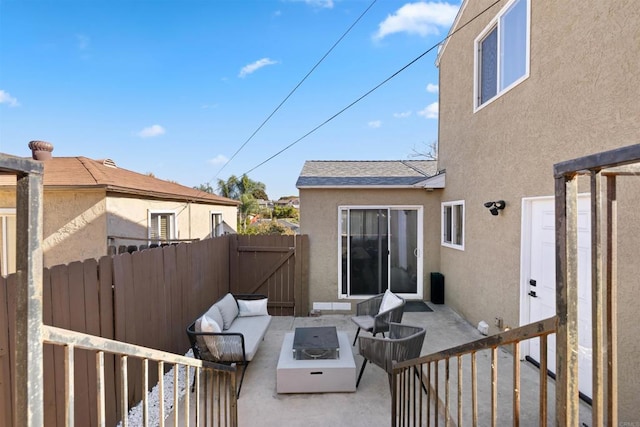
417 391
214 394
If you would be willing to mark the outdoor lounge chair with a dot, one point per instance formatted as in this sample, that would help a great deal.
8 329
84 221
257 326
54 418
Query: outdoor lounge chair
375 314
404 343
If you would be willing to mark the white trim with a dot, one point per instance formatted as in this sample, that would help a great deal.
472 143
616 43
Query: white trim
459 247
174 222
436 181
4 213
212 231
495 23
453 28
419 243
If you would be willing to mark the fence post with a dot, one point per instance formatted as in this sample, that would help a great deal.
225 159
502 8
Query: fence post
301 287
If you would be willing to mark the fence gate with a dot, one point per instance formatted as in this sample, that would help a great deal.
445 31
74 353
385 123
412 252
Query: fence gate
273 265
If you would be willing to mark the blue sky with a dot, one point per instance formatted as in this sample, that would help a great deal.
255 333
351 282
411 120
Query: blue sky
176 87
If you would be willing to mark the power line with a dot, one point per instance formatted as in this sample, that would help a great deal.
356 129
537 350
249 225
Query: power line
296 87
374 89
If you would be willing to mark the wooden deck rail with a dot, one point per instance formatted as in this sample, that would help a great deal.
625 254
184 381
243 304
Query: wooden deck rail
412 407
219 381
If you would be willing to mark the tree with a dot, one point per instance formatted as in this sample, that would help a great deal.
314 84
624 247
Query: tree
206 187
429 152
235 187
248 206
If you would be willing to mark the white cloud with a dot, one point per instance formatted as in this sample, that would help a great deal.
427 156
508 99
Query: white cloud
430 111
83 41
431 88
402 115
374 124
6 98
220 159
151 131
324 4
422 18
251 68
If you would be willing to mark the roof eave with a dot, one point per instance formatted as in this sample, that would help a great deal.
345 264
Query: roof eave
456 21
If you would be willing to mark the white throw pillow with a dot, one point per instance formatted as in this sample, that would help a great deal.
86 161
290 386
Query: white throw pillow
389 301
214 344
256 307
228 309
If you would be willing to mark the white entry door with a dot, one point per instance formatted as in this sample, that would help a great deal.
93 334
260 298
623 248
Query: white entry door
540 286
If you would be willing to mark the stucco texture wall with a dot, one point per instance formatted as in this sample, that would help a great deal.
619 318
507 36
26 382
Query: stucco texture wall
582 96
128 217
319 220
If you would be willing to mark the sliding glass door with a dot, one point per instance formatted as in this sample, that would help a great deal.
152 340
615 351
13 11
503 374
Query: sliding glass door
380 247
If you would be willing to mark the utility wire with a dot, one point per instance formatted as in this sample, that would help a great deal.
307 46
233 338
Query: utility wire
296 87
374 89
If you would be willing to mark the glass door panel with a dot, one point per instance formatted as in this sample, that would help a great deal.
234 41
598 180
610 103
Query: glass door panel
404 251
368 249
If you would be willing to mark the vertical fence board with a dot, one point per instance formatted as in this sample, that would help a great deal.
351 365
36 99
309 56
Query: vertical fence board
60 317
6 350
174 296
92 320
50 408
105 276
78 323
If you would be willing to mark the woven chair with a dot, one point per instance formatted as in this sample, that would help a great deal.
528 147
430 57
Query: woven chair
404 343
368 317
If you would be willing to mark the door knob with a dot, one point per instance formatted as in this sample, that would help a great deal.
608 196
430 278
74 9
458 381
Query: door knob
533 294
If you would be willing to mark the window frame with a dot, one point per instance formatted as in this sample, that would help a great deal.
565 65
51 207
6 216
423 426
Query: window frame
173 225
212 215
454 223
496 23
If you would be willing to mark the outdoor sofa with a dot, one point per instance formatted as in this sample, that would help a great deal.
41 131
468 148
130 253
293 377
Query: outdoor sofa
231 330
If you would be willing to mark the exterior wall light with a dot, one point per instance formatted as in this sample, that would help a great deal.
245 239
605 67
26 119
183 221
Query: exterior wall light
495 207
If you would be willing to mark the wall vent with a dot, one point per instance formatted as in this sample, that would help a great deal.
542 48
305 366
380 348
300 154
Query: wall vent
109 163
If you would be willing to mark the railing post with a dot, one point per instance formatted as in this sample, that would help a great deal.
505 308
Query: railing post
612 302
597 300
566 301
29 387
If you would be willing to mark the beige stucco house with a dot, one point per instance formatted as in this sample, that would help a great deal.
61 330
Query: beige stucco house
92 204
367 228
523 85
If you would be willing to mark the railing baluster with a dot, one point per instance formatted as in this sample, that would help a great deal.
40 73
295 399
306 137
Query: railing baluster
459 390
145 392
100 388
516 384
543 380
494 386
447 406
612 302
429 393
474 390
176 396
161 394
436 403
124 391
187 394
69 355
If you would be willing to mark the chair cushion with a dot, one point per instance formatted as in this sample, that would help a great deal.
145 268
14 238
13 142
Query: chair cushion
214 314
389 301
214 343
364 322
253 329
228 309
248 308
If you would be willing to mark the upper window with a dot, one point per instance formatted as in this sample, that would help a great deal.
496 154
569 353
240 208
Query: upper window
453 224
162 226
502 52
216 224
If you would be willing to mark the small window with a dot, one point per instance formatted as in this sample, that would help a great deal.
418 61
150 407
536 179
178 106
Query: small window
162 226
502 52
453 224
216 224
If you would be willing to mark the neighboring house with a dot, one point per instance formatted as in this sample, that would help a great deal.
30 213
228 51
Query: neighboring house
523 86
293 202
357 212
91 204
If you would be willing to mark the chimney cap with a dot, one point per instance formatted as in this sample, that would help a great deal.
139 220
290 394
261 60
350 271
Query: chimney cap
40 150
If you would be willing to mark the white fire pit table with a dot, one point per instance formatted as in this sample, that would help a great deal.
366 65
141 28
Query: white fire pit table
316 374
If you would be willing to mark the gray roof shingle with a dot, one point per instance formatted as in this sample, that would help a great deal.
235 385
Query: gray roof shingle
379 173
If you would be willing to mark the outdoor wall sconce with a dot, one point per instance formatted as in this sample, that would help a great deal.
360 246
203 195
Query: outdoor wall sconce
495 207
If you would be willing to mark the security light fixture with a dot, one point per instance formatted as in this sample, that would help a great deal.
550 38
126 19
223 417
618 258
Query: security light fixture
495 207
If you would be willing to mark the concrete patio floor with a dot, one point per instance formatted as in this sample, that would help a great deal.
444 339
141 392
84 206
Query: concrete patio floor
370 405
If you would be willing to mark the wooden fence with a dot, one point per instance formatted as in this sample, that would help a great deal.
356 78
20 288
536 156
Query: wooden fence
146 298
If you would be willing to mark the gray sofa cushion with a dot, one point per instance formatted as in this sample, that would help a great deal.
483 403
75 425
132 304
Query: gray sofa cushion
214 314
228 309
253 328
